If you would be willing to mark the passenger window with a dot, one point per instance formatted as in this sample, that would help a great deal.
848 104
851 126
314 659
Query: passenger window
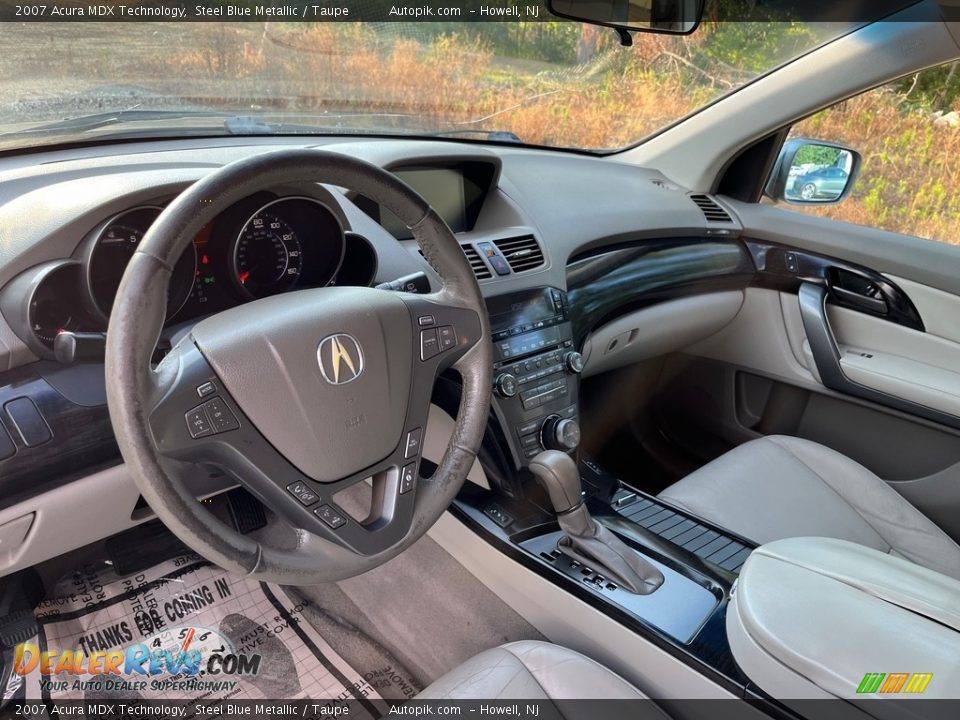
908 132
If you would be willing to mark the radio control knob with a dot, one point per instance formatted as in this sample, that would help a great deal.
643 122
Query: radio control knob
556 433
506 385
574 362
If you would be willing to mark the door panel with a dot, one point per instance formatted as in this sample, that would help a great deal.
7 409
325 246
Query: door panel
940 310
916 366
880 387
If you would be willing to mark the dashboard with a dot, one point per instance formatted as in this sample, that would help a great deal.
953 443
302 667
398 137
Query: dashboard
71 219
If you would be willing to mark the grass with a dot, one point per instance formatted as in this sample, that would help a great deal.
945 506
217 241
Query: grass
911 166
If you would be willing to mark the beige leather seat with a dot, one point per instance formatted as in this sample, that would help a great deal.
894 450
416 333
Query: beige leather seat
530 670
779 487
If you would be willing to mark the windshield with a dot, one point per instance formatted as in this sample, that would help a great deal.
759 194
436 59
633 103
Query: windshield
559 84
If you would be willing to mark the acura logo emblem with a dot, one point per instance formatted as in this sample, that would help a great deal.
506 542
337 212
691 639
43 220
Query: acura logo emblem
340 358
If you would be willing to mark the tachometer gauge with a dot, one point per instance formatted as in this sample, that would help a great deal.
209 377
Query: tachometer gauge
267 258
111 250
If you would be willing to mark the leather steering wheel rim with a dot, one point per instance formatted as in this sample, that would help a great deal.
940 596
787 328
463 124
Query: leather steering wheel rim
135 389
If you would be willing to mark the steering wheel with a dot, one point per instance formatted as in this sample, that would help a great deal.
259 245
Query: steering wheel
300 396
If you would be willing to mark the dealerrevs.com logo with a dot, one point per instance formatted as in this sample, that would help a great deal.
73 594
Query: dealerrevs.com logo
894 683
174 660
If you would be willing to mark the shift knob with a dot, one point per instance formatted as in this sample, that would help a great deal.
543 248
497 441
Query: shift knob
559 475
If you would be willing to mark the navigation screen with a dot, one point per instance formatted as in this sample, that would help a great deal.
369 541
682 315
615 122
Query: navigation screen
520 312
442 188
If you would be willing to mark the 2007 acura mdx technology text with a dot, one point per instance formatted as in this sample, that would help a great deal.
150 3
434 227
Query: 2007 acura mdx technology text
372 365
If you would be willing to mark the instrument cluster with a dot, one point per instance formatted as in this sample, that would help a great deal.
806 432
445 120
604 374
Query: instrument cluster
263 245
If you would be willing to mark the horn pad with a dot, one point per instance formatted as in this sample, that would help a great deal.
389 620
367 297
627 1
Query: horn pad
323 374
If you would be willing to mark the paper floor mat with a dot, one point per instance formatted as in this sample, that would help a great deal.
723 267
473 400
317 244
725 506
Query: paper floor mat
180 606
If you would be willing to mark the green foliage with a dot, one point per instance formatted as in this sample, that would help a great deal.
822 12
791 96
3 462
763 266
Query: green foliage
751 47
816 155
934 89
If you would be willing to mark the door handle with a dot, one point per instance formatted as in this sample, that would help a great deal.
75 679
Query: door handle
877 305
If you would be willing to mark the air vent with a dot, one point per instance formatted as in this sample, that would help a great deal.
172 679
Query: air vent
711 211
522 253
479 267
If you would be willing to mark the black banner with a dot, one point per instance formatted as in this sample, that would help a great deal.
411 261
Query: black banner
311 11
134 709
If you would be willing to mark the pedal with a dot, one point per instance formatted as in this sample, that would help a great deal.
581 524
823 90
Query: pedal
245 511
17 628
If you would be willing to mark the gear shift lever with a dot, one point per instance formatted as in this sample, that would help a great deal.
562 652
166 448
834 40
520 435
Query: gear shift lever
584 539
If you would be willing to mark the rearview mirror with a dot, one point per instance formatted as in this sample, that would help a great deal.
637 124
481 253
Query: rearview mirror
674 17
813 172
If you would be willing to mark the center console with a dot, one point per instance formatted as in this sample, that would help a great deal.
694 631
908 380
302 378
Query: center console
661 572
535 372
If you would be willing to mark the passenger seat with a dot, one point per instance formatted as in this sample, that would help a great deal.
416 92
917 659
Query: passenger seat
779 487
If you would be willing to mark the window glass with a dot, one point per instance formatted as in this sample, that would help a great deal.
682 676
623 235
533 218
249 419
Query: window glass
909 135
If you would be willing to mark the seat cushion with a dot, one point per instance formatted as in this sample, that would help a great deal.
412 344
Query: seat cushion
779 487
530 670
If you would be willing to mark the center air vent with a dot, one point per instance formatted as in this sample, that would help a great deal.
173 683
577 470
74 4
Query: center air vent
711 210
477 264
523 253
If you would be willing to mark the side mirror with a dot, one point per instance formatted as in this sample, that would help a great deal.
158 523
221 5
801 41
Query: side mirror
673 17
813 172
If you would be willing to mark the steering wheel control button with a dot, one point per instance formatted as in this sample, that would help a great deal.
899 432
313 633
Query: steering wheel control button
413 443
206 390
198 423
426 320
408 477
302 493
448 338
330 516
429 344
220 416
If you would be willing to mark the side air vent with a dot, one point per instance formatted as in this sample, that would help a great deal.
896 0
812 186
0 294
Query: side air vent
522 253
479 267
711 211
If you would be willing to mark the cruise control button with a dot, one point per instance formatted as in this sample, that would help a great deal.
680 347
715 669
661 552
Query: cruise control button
220 416
330 516
408 477
429 344
426 320
302 493
448 338
413 443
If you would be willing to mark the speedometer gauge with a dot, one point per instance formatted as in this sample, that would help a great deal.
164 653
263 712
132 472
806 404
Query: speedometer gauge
268 258
288 243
